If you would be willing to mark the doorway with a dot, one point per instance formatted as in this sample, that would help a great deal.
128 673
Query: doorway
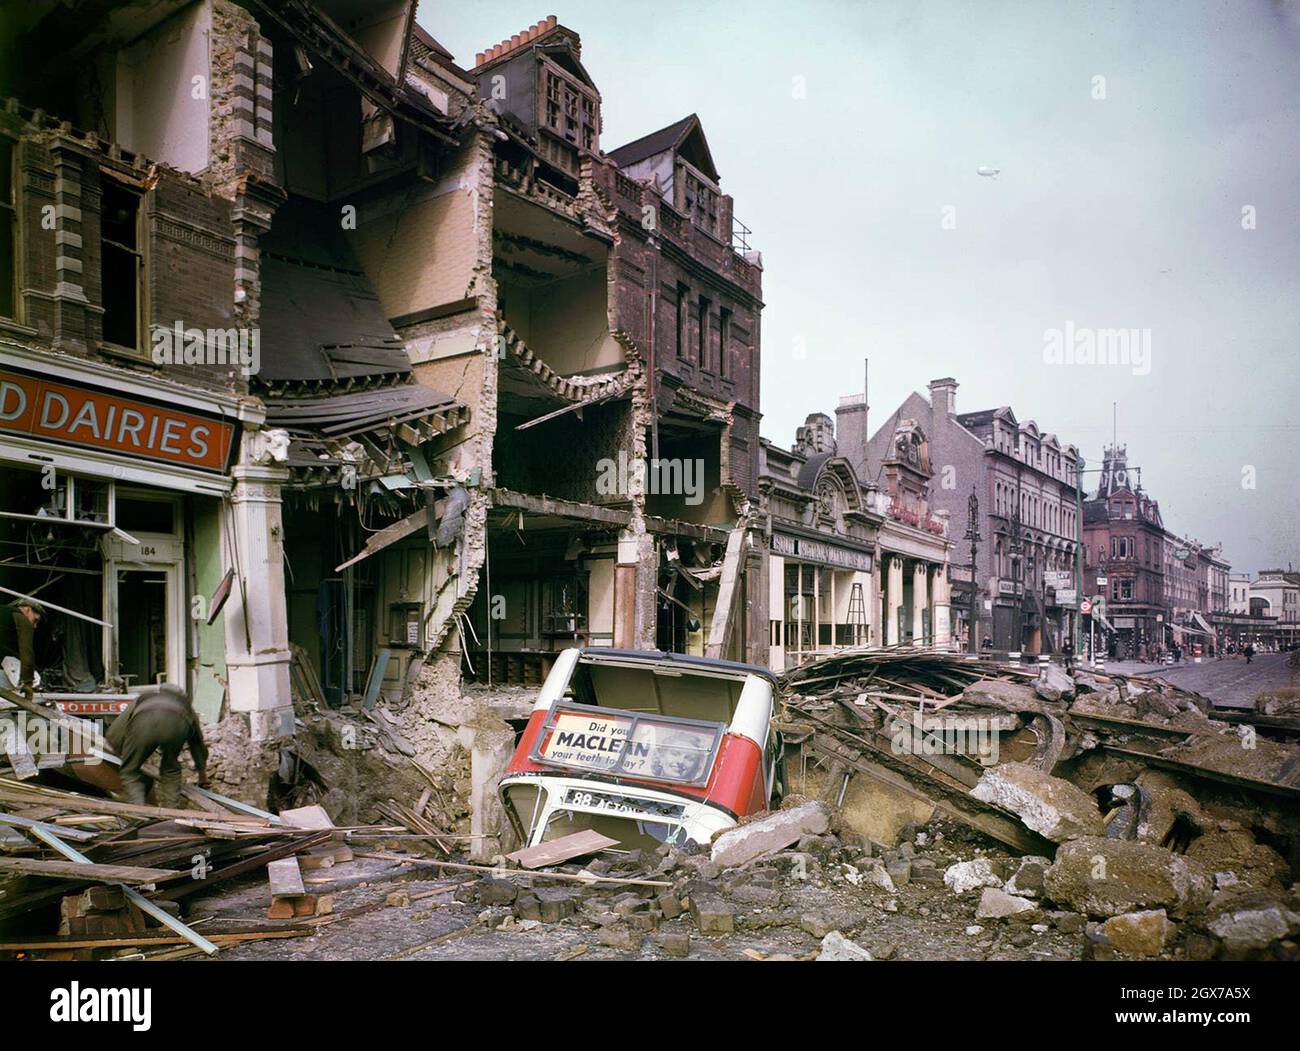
142 631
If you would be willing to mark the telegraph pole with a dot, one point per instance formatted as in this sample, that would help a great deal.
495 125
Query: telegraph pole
973 535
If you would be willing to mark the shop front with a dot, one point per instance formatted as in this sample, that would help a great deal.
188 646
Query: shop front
821 595
111 517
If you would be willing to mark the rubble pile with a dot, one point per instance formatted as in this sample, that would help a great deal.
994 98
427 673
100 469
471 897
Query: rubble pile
363 755
109 877
936 809
1131 802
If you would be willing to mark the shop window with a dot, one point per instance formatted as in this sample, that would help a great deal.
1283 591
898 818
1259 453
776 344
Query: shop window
122 264
92 500
8 230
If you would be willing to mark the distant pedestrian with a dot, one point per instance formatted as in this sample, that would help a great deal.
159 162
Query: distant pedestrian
1067 653
1250 652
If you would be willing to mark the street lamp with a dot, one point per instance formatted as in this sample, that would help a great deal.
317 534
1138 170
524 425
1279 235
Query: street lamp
973 535
1016 548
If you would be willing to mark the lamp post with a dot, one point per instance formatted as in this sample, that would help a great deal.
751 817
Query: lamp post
1015 548
1078 550
973 535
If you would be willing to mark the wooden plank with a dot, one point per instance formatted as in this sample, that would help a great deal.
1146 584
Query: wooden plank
22 762
197 796
555 851
720 627
26 822
390 535
549 505
63 941
222 830
94 872
248 864
87 804
307 817
376 680
285 878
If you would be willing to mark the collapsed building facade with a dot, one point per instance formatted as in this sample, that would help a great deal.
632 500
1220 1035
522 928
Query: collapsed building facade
330 366
625 382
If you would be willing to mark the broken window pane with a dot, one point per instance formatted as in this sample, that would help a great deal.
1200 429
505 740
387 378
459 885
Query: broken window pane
120 265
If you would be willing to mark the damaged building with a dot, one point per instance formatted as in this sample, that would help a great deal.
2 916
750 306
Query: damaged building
331 369
624 382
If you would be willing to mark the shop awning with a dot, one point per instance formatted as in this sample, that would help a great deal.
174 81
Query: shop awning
410 411
376 431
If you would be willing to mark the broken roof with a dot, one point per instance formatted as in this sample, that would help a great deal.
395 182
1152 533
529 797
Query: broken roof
321 319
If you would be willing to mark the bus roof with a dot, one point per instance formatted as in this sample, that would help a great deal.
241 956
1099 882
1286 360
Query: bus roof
682 659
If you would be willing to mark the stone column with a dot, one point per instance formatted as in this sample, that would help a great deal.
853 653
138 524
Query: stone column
257 626
920 600
941 608
895 600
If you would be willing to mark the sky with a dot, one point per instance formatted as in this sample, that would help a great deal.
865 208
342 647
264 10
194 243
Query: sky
1148 180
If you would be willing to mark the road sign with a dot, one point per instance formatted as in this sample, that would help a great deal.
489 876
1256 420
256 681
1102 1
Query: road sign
1102 582
1085 606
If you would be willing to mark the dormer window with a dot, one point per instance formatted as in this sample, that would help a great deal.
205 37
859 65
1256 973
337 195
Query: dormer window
569 110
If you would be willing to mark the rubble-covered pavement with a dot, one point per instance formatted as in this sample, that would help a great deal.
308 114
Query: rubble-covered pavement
1111 817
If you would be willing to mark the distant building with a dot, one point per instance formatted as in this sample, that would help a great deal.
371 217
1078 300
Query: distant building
1276 593
1195 586
822 546
1124 539
1239 593
1024 480
851 564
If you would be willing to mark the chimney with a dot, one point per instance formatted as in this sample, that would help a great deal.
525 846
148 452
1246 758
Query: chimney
851 432
943 398
516 41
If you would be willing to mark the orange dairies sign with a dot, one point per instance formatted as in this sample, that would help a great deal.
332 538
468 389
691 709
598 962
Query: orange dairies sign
101 420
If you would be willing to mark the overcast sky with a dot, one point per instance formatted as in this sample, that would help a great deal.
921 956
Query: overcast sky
1135 143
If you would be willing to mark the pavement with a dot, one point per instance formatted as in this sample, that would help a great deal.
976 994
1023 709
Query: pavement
1229 683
